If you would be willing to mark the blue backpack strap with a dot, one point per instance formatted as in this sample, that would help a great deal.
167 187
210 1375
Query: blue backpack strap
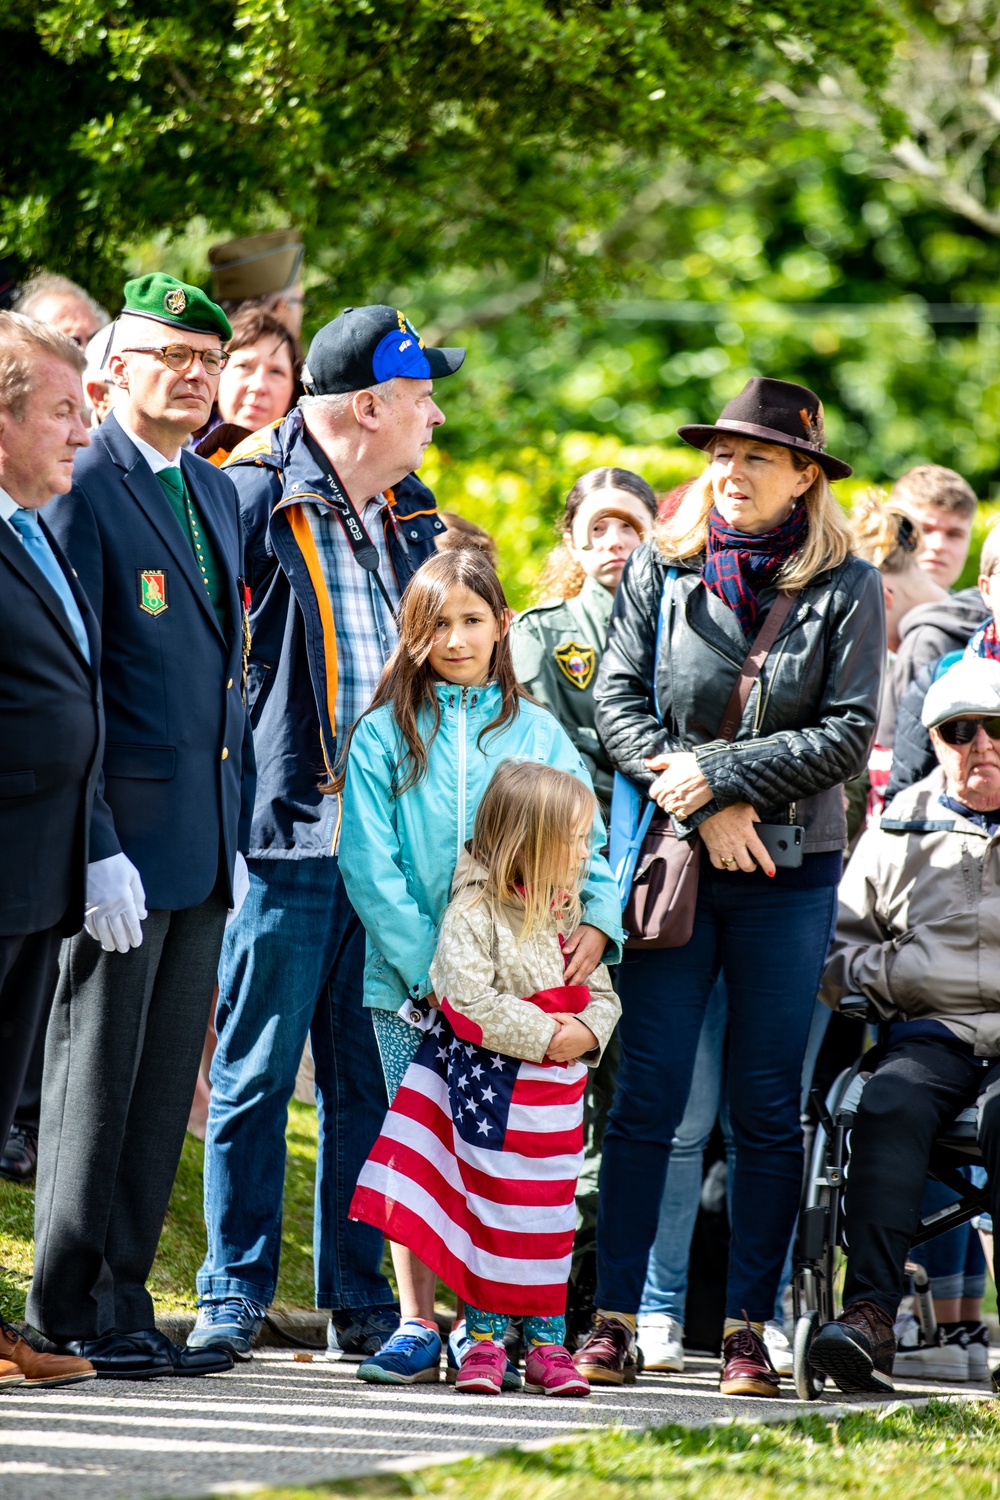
631 809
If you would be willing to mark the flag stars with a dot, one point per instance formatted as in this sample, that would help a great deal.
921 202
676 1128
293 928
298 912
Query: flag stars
442 1053
469 1049
488 1095
477 1071
497 1061
483 1127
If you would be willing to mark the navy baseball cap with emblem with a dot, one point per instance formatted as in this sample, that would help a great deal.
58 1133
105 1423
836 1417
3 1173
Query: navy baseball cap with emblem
364 346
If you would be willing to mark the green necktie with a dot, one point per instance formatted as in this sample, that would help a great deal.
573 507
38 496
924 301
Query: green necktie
171 482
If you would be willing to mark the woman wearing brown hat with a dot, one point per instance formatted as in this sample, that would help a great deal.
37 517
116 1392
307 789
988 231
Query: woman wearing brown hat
758 532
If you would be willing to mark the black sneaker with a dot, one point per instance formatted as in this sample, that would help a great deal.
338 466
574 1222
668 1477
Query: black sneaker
20 1154
856 1351
357 1334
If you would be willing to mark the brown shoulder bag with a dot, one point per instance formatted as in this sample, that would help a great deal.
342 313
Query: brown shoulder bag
659 912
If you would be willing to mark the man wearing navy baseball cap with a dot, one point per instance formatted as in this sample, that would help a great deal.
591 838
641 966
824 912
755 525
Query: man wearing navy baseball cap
335 523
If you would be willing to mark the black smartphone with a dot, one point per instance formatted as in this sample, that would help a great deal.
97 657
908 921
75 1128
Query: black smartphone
783 842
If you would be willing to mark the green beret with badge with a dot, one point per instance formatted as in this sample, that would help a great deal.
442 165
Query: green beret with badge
164 299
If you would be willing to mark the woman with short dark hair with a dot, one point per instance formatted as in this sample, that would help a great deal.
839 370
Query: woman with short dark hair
760 524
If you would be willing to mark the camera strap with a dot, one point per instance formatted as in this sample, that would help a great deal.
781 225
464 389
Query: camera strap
364 549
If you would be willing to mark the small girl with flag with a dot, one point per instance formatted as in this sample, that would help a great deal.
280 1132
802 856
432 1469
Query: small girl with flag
476 1166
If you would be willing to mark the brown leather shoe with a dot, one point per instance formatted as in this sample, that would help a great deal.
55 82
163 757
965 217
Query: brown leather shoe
746 1366
608 1357
856 1351
39 1369
10 1374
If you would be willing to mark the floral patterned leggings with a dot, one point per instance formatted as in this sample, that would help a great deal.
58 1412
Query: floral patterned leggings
485 1325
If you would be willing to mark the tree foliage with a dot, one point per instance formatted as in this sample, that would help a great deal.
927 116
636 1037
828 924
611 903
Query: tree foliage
404 136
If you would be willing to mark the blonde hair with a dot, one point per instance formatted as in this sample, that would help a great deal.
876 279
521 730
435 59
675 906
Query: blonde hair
23 341
525 836
884 534
828 541
990 555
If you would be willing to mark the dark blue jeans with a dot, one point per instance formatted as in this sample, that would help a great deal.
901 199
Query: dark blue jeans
292 966
771 947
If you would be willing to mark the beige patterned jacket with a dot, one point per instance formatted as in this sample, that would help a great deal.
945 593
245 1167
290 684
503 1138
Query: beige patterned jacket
484 971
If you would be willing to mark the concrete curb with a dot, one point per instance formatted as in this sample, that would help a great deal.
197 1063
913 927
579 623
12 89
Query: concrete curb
306 1325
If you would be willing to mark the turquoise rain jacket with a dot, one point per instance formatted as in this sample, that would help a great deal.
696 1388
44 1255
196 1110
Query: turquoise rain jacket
398 854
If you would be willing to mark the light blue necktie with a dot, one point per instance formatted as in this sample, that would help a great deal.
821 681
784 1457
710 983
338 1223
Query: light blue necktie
36 545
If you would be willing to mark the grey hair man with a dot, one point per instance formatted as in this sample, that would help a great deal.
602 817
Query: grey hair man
62 304
51 724
918 934
335 523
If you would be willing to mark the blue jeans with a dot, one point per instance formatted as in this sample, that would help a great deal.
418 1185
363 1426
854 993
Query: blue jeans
292 965
955 1261
770 946
666 1285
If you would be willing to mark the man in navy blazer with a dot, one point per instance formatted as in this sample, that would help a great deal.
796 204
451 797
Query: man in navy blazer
154 534
51 724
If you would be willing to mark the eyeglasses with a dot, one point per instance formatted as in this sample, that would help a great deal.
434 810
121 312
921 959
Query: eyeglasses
963 731
181 357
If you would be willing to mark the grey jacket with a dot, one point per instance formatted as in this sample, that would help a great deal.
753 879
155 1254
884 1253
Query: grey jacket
925 635
810 718
918 929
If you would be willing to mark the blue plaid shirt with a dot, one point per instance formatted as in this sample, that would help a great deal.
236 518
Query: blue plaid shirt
366 631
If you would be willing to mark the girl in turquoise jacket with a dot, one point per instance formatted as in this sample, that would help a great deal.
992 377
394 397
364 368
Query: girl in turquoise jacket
447 711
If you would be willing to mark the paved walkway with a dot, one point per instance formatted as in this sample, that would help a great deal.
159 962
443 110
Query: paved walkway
280 1421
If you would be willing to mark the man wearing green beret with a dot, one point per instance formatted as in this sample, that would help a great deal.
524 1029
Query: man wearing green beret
153 533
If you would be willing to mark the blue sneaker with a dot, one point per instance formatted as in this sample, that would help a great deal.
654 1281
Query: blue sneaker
356 1335
412 1355
232 1323
458 1342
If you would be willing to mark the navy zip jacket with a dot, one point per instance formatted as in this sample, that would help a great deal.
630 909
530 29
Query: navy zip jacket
178 762
292 676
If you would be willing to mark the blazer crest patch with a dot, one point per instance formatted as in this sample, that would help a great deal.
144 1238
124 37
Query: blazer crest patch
576 662
152 590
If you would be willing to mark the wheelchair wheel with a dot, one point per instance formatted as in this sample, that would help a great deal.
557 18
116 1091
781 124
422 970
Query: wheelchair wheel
808 1385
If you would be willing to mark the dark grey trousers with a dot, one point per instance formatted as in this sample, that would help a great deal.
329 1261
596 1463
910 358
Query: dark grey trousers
121 1058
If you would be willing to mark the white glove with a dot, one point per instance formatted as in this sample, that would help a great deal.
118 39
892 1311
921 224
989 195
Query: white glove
241 887
115 905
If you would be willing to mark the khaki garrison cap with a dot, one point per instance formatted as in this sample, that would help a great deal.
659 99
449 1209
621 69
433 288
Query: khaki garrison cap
256 265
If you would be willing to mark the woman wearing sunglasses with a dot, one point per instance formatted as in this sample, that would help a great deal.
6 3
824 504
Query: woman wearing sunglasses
759 531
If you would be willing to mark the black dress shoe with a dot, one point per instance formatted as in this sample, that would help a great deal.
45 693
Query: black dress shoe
114 1356
20 1154
183 1361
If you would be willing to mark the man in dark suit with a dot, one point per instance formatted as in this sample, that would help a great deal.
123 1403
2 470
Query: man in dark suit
154 534
51 725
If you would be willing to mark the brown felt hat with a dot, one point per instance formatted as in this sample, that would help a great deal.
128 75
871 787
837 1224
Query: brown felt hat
256 265
773 411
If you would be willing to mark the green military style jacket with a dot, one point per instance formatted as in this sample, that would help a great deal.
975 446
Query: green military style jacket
557 649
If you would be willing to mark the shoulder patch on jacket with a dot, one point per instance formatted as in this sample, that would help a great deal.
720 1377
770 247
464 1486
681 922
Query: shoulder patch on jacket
576 663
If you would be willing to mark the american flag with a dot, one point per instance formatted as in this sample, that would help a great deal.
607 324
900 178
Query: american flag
475 1171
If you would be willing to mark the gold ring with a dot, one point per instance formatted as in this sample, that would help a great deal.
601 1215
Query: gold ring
728 861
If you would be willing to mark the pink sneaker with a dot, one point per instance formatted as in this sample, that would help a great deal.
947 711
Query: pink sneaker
482 1369
550 1371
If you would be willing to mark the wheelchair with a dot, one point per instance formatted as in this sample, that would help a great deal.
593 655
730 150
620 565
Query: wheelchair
821 1216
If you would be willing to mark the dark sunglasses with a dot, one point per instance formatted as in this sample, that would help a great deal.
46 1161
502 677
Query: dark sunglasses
963 731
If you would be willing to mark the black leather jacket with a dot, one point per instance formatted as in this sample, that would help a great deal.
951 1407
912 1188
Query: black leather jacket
810 719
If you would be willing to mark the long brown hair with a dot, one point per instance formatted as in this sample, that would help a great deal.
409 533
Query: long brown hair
524 839
562 577
407 682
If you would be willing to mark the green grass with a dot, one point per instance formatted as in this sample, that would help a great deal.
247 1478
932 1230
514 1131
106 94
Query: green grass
182 1246
948 1451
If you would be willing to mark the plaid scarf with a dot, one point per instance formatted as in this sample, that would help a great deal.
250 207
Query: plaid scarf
738 563
985 642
